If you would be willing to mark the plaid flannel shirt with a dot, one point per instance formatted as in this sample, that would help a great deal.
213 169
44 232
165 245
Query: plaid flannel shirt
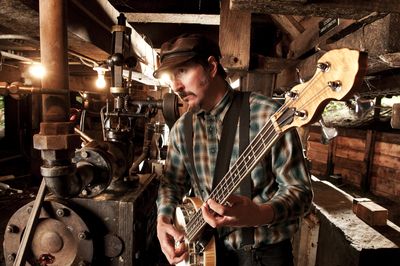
280 179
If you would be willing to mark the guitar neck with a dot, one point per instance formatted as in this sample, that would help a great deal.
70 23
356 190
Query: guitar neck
246 162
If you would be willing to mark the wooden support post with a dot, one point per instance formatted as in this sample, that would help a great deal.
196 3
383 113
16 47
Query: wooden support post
234 37
368 160
330 164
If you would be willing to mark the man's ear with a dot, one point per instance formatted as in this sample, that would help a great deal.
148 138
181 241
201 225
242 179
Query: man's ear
213 63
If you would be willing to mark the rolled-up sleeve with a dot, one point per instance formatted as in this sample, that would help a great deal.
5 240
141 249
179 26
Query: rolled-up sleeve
294 195
174 181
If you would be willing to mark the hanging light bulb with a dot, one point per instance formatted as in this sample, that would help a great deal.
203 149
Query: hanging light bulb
37 70
100 81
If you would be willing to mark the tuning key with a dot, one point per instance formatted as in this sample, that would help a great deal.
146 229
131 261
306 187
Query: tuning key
292 94
324 67
302 114
335 85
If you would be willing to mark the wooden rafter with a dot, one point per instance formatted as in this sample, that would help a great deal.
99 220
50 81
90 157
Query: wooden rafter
202 19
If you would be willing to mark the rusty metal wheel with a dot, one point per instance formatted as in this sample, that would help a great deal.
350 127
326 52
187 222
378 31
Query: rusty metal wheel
61 237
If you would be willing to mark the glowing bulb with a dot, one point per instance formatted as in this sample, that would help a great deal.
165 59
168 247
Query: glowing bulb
100 81
37 70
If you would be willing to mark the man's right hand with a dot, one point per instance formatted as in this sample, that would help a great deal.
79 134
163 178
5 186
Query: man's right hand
168 235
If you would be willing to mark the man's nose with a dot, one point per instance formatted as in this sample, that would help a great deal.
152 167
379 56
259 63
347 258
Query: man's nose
177 85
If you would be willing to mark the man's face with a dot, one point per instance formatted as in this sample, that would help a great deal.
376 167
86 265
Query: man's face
191 82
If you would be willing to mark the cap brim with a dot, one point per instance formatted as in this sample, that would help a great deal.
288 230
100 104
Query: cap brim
170 63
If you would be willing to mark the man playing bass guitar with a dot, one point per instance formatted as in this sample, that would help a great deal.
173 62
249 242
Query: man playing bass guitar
251 228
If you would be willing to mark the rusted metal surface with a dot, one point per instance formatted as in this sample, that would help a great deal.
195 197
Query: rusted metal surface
33 212
124 223
60 236
54 58
56 133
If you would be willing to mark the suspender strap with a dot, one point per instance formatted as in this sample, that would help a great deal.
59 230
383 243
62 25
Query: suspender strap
226 142
240 105
188 131
244 139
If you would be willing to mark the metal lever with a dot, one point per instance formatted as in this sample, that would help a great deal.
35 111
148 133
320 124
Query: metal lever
20 259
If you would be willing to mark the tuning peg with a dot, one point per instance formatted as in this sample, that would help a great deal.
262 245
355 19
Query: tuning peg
292 94
299 78
362 106
324 67
302 114
335 85
327 133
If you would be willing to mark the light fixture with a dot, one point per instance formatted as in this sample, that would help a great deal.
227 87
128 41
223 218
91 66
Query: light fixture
100 81
37 70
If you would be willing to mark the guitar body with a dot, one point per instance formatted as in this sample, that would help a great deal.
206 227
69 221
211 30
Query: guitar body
183 214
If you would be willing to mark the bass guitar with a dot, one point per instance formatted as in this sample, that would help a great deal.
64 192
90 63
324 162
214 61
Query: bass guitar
338 72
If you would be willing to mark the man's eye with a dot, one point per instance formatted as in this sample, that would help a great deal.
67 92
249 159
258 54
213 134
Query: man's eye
180 72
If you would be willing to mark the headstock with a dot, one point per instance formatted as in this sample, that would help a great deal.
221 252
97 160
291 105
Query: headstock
338 72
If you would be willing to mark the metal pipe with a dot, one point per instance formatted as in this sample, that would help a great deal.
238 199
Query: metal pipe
18 37
54 57
85 137
14 56
57 169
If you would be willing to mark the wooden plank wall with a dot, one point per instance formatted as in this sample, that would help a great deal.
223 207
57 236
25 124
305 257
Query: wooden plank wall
385 173
348 157
317 153
365 159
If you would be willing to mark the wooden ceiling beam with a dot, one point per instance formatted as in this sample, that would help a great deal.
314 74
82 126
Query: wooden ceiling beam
173 18
349 9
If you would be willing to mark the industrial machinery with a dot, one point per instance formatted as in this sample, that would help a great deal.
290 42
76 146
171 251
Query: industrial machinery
101 205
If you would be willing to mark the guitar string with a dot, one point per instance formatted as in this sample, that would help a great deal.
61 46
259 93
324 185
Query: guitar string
222 186
197 219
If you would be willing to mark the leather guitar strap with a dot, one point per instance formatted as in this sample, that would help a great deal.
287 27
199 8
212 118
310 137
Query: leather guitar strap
188 134
240 106
245 185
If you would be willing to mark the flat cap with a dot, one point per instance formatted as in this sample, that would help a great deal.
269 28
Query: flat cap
183 48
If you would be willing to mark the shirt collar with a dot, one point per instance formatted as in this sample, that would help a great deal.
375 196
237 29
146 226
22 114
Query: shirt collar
221 108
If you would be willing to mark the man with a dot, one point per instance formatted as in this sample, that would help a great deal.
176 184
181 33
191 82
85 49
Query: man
280 184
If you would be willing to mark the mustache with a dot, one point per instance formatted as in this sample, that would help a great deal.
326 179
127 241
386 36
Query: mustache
182 94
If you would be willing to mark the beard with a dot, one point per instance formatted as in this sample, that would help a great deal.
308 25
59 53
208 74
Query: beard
196 98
